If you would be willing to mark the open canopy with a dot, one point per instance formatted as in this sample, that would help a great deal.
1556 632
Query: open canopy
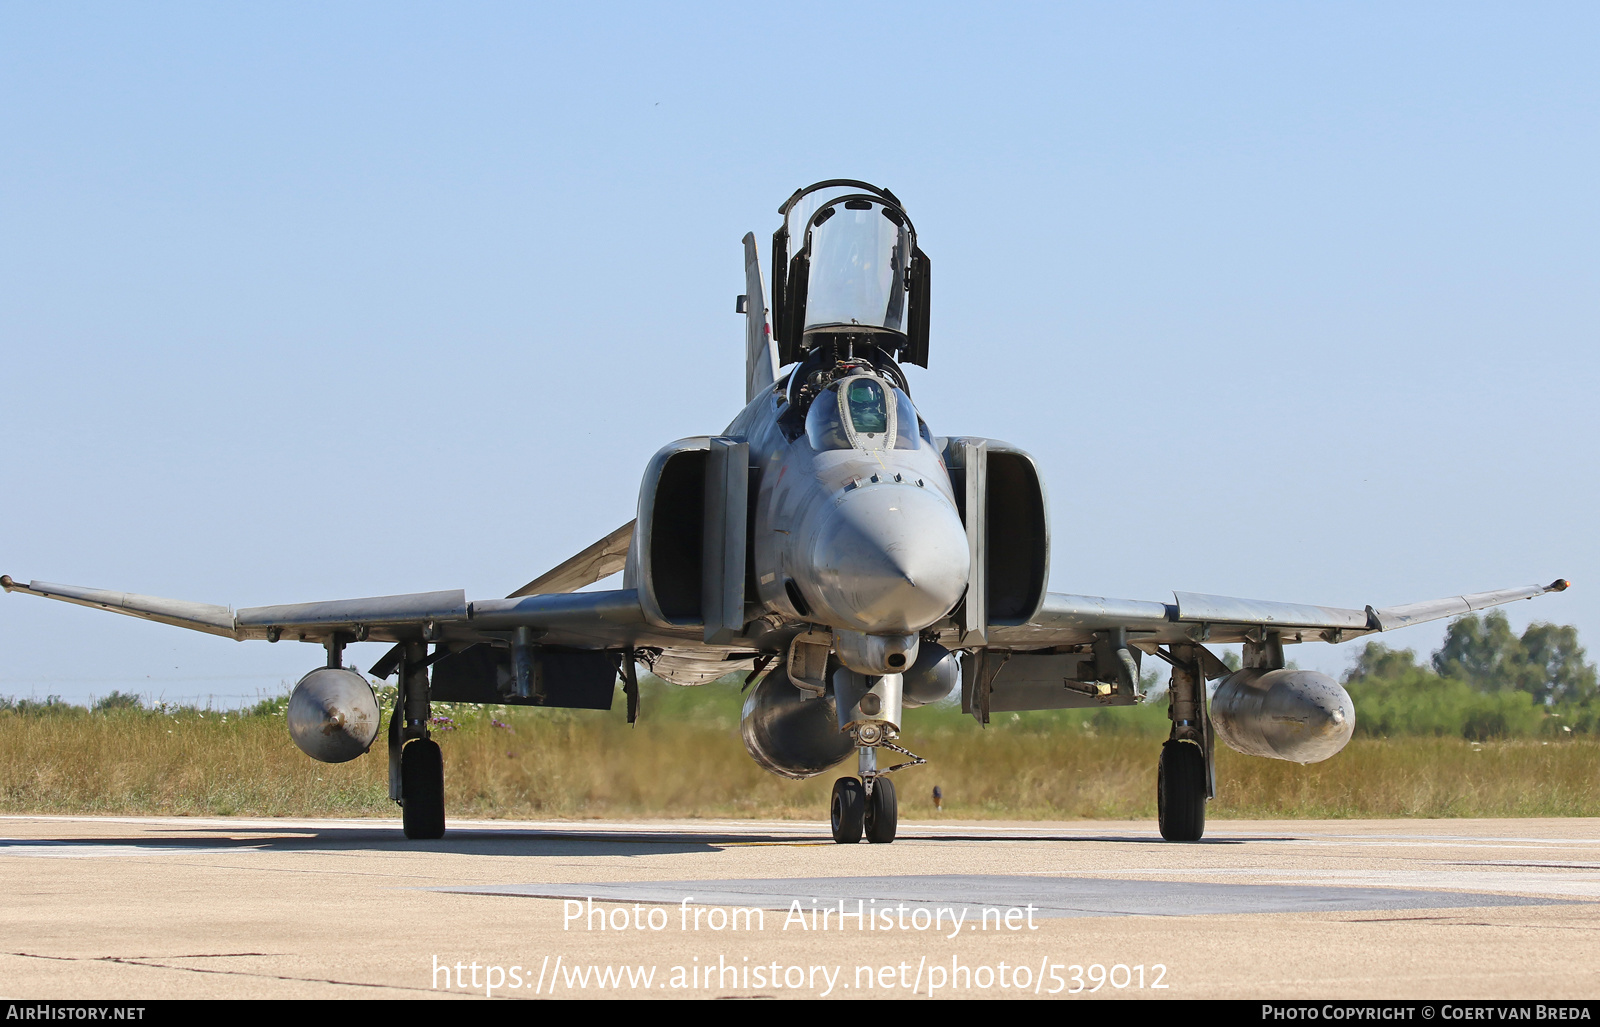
846 262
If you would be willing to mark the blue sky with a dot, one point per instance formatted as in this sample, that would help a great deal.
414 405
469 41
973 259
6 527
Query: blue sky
1291 301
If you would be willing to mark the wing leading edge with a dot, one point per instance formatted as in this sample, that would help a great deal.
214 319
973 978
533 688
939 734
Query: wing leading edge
596 561
614 618
587 620
1194 617
384 618
213 620
600 560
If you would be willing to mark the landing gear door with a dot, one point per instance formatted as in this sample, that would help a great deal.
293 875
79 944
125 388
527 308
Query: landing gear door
723 542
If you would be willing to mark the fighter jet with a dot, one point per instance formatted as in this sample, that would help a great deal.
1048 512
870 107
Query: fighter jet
833 550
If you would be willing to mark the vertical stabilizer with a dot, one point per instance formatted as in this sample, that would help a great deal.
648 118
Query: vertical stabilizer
760 354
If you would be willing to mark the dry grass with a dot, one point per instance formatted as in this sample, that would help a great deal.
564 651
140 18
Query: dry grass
686 760
1419 777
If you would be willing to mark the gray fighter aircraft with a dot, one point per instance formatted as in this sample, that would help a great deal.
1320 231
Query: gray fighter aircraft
831 539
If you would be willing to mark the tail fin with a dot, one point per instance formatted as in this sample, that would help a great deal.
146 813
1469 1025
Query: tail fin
760 353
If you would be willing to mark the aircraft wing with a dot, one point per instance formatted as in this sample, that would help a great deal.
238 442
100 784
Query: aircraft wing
1193 617
613 619
213 620
380 617
585 620
601 560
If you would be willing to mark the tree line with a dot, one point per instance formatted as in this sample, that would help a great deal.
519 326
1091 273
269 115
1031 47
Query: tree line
1483 682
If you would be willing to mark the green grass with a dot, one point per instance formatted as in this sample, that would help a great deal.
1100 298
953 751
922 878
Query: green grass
685 759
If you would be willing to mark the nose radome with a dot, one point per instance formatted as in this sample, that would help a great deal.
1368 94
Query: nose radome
890 558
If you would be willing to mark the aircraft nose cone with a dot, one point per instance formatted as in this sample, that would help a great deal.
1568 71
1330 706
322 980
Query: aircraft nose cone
890 559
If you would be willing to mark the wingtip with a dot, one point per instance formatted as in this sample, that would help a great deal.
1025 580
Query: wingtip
6 582
1558 585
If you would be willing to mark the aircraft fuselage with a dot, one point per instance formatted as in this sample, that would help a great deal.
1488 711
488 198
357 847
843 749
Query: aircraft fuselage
861 540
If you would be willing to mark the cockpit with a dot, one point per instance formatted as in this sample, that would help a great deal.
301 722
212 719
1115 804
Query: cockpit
849 304
848 276
864 412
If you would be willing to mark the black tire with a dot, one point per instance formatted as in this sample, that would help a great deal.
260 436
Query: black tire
883 812
847 810
422 789
1181 792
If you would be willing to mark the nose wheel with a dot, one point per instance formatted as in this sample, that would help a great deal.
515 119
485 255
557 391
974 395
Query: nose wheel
883 812
868 805
854 811
847 810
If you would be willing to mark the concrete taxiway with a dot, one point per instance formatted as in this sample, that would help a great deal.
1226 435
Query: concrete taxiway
137 907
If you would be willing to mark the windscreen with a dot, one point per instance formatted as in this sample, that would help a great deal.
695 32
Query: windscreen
869 411
860 412
858 264
908 427
825 424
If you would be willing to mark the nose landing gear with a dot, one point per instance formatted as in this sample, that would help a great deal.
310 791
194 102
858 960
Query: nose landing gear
868 804
847 810
883 813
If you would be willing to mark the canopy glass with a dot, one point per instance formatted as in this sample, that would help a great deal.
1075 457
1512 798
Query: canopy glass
863 412
859 253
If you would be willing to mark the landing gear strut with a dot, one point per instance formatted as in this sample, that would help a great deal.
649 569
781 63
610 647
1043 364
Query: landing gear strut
868 804
868 709
416 766
883 813
1184 779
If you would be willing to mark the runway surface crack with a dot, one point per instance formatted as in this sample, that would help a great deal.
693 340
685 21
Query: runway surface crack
155 964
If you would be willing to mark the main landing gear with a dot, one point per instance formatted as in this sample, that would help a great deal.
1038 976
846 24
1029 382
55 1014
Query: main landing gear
867 805
1185 777
1181 791
416 766
422 789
